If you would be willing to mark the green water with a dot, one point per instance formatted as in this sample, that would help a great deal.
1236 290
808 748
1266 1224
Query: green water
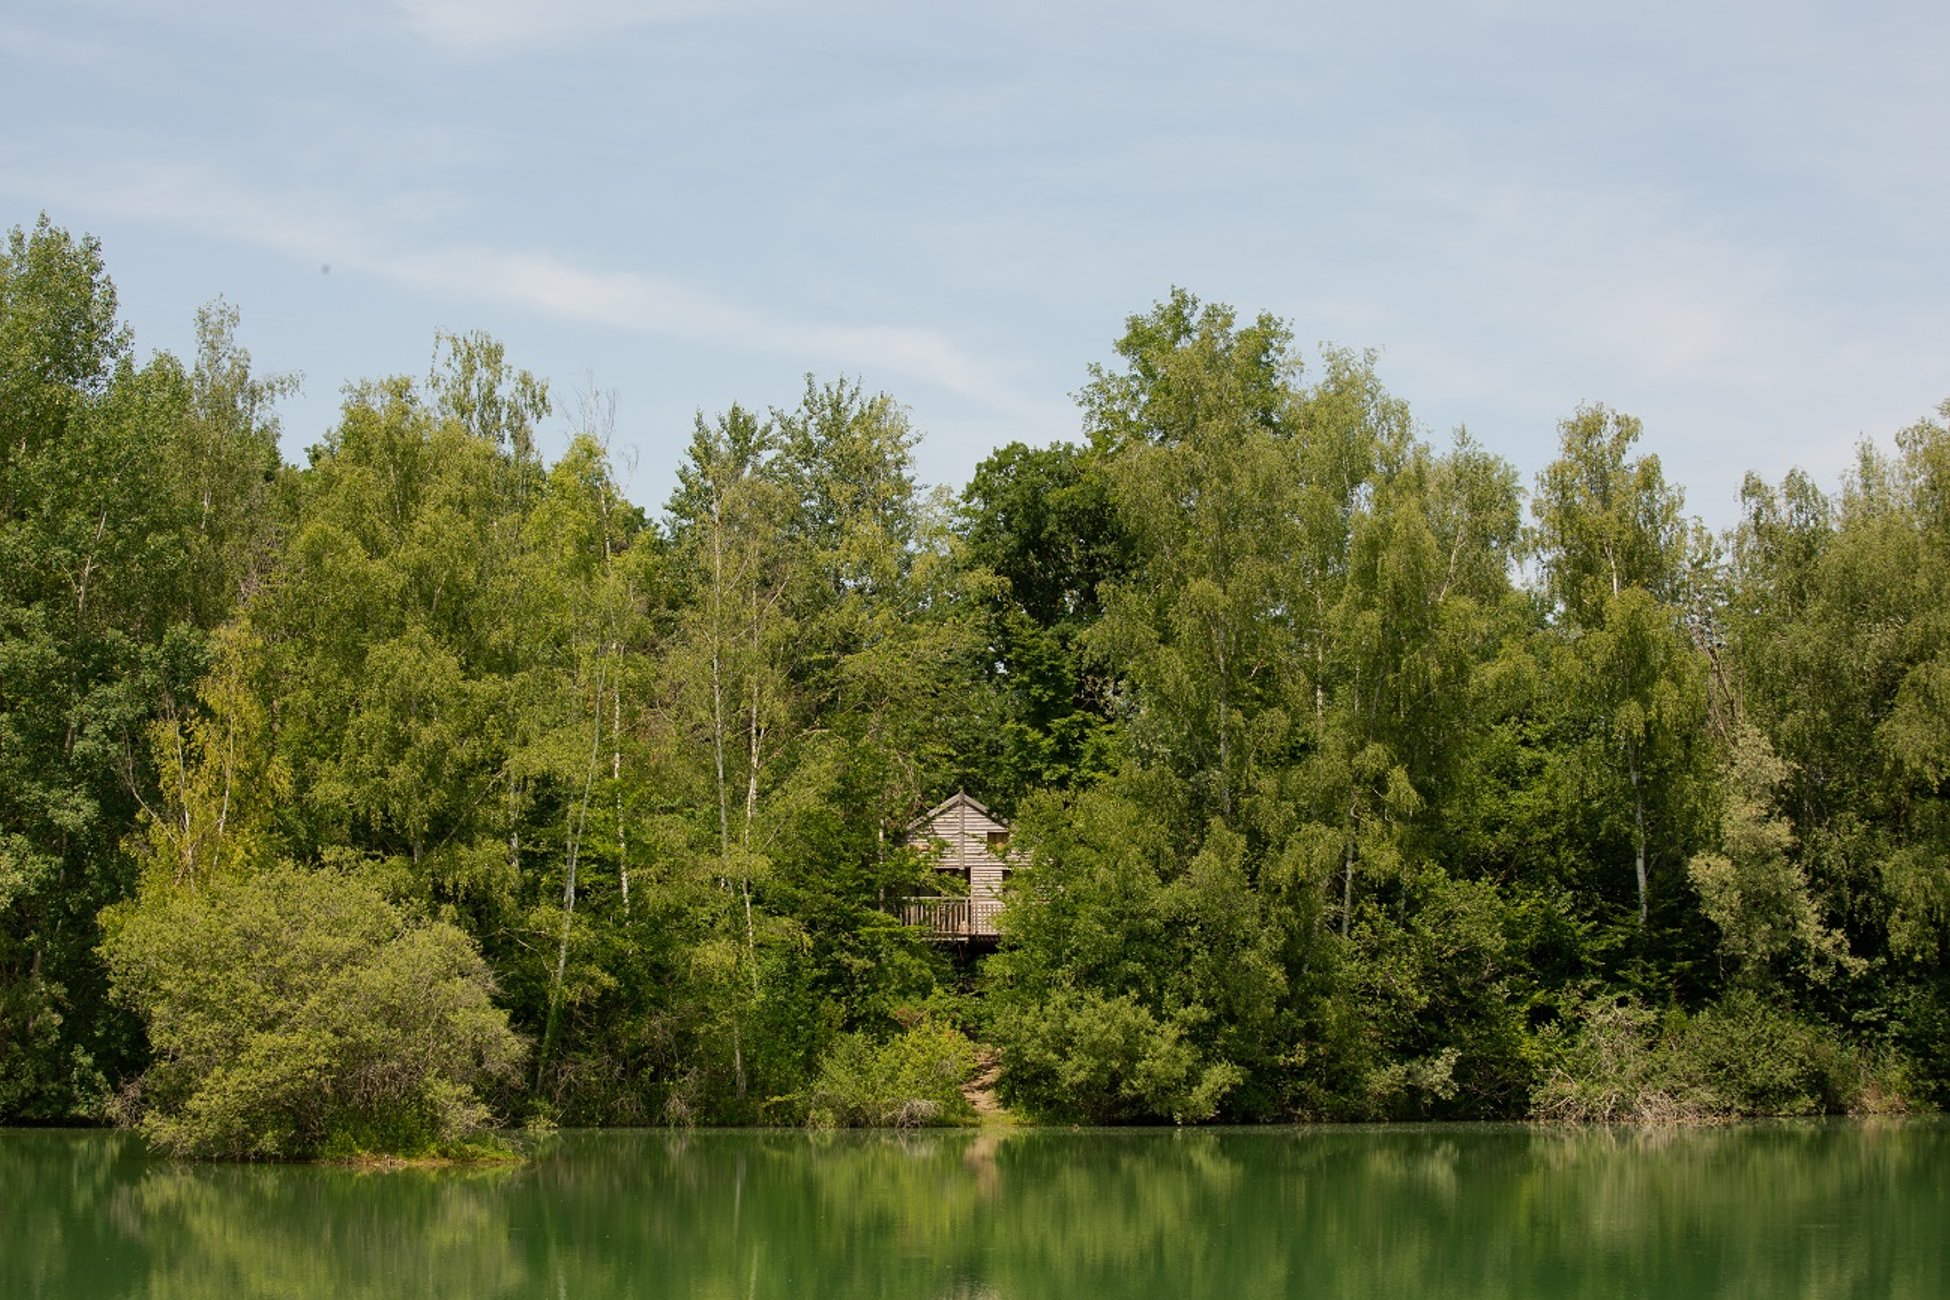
1771 1210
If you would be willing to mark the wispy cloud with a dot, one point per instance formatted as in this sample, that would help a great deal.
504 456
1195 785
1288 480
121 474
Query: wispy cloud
310 226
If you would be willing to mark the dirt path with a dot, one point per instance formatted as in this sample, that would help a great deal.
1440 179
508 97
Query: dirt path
980 1088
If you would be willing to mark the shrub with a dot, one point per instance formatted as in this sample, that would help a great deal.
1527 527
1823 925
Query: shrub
1920 1034
299 1013
1625 1063
1084 1057
912 1079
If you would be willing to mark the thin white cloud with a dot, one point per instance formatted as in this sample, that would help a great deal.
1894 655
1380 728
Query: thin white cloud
310 227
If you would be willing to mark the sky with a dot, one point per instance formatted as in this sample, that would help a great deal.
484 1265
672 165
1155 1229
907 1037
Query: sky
1726 219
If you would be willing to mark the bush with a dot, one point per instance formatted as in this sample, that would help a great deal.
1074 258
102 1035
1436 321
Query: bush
1920 1037
298 1014
910 1080
1744 1056
1096 1060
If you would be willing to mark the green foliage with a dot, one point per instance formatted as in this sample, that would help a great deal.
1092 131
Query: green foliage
1751 889
1441 987
1042 522
135 505
1919 1039
1340 789
1606 523
1838 627
1632 703
299 1013
912 1079
1740 1057
1307 596
1128 993
1086 1058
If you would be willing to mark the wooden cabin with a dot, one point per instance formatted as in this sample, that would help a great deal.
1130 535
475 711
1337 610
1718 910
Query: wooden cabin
971 849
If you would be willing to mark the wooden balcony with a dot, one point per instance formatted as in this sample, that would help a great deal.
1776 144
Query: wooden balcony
956 920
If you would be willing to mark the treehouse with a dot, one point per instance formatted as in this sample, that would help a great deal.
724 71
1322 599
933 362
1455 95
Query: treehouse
971 856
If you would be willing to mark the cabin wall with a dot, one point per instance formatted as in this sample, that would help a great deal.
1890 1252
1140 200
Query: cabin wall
965 832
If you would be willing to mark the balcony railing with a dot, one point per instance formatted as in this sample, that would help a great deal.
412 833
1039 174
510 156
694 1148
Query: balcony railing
954 918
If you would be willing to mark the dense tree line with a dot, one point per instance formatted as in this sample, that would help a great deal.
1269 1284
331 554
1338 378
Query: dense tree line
1357 781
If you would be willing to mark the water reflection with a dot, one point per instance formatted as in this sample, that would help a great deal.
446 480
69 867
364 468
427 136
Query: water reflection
1811 1210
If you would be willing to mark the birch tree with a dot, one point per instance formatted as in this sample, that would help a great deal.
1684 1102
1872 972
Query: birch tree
1610 535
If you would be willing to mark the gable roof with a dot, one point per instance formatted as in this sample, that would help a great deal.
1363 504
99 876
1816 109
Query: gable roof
959 799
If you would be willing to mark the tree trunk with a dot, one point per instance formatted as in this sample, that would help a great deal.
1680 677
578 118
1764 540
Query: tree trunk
1347 890
570 862
1638 832
1225 731
745 835
616 784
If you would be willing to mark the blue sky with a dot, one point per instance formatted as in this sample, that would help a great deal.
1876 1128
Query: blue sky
1727 219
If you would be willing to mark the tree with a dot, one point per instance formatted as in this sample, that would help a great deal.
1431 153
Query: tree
1306 595
1195 435
298 1013
1041 521
1610 535
134 508
817 663
1751 888
1836 633
1605 522
1131 990
448 645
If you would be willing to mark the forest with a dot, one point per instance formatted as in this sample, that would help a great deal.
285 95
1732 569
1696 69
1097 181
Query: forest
430 787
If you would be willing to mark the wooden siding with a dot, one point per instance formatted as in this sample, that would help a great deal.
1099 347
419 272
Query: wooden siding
961 831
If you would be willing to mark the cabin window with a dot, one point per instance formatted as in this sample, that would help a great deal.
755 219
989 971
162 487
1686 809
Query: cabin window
998 841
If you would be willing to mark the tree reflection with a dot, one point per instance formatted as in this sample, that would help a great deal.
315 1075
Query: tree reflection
1816 1208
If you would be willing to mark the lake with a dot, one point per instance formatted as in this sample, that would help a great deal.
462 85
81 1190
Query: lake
1808 1210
